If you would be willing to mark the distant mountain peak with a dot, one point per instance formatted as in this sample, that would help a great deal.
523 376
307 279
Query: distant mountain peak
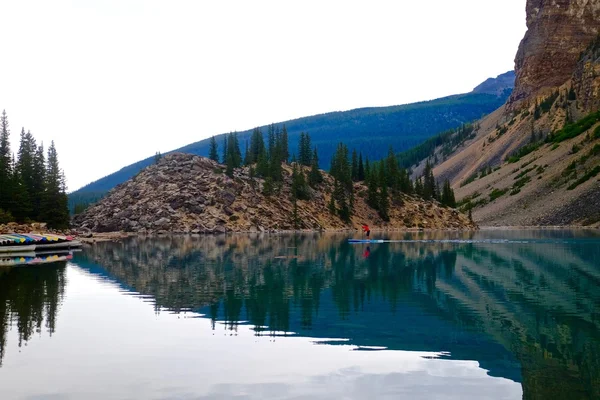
498 85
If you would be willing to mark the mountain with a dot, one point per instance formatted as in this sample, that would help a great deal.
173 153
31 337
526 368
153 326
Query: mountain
371 130
184 193
499 86
536 160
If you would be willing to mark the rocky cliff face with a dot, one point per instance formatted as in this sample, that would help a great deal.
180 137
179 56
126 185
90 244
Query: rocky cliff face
558 32
512 170
190 194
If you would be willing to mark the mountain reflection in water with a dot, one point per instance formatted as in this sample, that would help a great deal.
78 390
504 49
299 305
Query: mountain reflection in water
527 310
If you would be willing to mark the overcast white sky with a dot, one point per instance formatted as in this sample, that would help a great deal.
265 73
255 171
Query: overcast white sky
114 81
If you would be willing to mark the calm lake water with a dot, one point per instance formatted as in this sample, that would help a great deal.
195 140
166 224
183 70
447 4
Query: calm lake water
491 315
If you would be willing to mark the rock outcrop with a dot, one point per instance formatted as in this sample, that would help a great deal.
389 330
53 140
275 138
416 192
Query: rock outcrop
190 194
512 170
558 32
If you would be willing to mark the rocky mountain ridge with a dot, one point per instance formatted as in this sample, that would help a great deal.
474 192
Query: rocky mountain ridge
535 160
184 193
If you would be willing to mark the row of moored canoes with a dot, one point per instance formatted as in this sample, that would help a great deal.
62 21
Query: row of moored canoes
12 242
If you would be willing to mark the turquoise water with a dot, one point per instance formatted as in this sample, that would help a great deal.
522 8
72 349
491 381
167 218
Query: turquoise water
490 315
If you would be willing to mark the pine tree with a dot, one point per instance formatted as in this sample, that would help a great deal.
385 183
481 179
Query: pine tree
299 187
23 177
361 168
257 146
428 182
367 169
247 155
315 177
5 164
447 198
354 166
372 195
383 200
39 178
55 211
393 172
419 189
234 156
225 146
213 153
304 149
157 157
471 214
285 152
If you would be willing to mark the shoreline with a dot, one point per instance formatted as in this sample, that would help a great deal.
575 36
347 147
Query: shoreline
94 237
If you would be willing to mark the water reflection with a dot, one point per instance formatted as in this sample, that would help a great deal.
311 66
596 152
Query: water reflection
29 300
525 305
528 310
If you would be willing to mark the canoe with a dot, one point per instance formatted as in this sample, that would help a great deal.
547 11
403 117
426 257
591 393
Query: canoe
58 245
17 248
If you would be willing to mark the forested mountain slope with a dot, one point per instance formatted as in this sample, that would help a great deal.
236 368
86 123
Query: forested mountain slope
370 130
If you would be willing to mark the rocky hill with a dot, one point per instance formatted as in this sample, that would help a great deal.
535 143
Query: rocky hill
184 193
535 161
371 130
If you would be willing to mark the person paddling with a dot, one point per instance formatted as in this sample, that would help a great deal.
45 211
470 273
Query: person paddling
366 230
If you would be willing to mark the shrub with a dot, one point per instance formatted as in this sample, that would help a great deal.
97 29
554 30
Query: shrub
5 217
496 193
573 130
586 177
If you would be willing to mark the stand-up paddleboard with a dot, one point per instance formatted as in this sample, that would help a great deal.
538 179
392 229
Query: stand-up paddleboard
365 241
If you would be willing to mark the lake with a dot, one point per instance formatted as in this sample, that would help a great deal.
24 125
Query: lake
486 315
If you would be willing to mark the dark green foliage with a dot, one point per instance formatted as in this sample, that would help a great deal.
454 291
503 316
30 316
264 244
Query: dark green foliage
55 210
372 130
448 141
79 208
537 112
572 95
268 187
384 202
85 199
257 147
284 145
523 151
419 187
429 191
471 214
299 189
522 182
496 193
448 199
361 168
225 147
233 155
546 105
5 165
590 174
470 179
5 217
315 177
331 204
29 188
304 149
354 166
573 130
213 152
597 132
157 157
341 170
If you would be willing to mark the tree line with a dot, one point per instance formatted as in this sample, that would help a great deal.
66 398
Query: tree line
32 185
385 179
